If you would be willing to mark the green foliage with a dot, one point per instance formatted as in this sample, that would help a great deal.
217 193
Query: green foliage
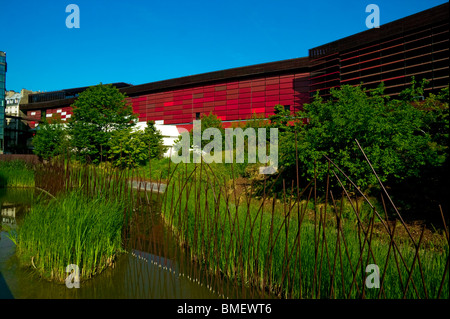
281 118
265 244
132 149
209 121
16 174
398 137
73 229
51 140
97 113
154 140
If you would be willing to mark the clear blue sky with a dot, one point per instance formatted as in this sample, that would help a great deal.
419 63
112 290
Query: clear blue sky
141 41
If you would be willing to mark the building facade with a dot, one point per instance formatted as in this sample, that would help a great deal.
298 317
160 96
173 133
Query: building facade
417 45
17 135
3 70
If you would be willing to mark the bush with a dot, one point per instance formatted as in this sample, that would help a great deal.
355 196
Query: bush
51 140
132 149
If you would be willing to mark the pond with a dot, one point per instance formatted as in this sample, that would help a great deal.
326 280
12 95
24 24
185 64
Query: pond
153 266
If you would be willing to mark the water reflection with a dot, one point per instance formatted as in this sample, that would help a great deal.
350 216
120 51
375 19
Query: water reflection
153 266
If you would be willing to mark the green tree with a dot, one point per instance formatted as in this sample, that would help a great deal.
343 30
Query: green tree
391 132
154 140
127 148
209 121
98 112
132 149
51 139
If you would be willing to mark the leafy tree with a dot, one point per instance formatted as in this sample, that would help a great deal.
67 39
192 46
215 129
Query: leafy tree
51 139
127 148
98 112
209 121
392 133
281 118
131 149
154 140
432 181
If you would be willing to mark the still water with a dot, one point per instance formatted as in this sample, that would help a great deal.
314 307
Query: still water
153 267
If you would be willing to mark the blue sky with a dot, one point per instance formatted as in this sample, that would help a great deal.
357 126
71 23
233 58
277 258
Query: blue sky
141 41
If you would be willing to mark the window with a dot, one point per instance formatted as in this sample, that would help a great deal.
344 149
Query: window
197 116
287 108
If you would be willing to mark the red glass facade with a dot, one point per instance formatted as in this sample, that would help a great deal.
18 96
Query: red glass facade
231 101
417 45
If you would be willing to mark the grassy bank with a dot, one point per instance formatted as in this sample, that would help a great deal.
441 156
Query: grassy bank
72 229
293 255
310 246
16 174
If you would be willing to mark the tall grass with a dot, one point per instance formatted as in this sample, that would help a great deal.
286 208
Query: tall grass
72 229
299 247
304 250
16 174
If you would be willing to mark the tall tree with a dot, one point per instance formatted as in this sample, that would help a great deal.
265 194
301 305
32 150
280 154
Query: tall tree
97 113
394 133
51 139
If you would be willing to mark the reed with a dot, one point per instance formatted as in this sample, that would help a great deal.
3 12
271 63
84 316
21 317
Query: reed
71 229
16 174
300 244
303 249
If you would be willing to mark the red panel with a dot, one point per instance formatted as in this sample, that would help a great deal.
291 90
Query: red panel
219 103
245 84
258 104
272 81
287 91
272 98
258 94
272 92
258 99
245 90
220 98
258 88
286 85
232 91
220 93
259 110
220 108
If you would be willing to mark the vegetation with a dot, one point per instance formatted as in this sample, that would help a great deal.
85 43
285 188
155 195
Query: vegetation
396 135
51 139
133 149
208 121
297 238
16 174
288 252
72 229
97 113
